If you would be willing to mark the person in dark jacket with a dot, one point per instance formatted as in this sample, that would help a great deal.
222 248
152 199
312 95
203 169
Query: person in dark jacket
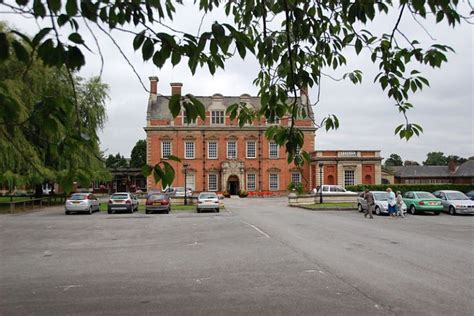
369 198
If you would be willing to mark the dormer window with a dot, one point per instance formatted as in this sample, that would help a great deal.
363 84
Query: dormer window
186 120
217 117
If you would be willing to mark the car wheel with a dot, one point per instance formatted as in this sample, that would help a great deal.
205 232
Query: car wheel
359 208
217 210
452 210
377 211
90 210
109 211
131 210
412 210
147 212
68 213
198 210
436 213
169 210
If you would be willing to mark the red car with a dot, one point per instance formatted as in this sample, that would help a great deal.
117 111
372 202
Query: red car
157 203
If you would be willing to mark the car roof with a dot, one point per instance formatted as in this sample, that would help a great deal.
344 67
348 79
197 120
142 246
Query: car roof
447 191
208 193
378 191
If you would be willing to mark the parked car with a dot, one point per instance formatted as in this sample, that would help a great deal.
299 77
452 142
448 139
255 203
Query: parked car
380 201
333 189
470 194
455 202
420 201
122 201
207 201
157 203
177 191
82 202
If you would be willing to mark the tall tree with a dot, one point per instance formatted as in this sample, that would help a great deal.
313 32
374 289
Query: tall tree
48 127
411 163
456 159
295 43
435 158
115 162
138 156
393 160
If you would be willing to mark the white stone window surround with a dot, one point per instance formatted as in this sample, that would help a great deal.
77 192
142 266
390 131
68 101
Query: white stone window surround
274 181
217 106
251 152
212 179
166 148
251 181
189 150
212 149
217 117
273 150
349 177
231 149
191 180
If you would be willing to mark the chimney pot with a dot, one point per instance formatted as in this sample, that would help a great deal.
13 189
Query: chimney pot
153 84
176 88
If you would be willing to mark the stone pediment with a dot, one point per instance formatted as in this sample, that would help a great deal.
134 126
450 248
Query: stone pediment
234 165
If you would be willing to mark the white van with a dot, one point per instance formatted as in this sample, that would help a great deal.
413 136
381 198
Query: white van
333 189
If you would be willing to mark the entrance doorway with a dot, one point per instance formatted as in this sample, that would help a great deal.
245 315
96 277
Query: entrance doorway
233 185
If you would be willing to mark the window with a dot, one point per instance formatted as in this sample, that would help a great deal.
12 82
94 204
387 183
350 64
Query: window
189 150
348 177
212 182
186 120
217 117
274 181
296 177
231 150
275 120
165 149
251 181
273 150
190 183
212 150
251 150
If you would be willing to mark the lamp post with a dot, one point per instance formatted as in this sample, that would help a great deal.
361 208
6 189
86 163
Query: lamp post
321 183
185 166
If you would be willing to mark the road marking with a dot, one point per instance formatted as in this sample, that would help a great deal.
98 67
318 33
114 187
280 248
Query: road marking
67 287
258 229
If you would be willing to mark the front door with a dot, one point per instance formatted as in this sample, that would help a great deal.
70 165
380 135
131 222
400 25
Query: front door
233 185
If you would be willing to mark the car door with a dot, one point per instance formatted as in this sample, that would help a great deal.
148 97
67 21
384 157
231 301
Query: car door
408 199
444 200
362 201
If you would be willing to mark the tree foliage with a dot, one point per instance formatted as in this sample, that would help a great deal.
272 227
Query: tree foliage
138 155
116 162
295 42
393 160
48 127
410 163
437 158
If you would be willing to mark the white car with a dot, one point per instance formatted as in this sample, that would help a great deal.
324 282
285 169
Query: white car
333 189
455 202
380 201
207 201
122 201
82 202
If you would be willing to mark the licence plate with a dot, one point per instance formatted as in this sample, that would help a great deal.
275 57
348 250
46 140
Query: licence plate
432 203
156 203
76 202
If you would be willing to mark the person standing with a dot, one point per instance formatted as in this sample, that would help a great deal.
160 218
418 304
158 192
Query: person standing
399 201
391 203
369 199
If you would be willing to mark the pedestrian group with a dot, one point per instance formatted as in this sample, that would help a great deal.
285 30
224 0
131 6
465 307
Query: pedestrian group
394 203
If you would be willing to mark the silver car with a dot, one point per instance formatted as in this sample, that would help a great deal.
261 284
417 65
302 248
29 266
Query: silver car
82 202
207 201
380 201
122 201
455 202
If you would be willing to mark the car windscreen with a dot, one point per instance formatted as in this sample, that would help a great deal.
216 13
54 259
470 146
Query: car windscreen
208 196
383 196
425 195
119 197
456 196
157 197
78 197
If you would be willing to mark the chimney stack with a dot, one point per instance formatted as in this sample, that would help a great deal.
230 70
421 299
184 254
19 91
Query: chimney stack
176 88
452 166
153 84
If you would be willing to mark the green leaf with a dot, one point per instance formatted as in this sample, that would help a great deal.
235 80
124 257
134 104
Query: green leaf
4 47
200 109
21 52
169 174
147 170
39 9
175 104
138 40
158 174
217 30
175 57
399 127
148 49
76 38
71 7
241 49
54 5
358 46
173 158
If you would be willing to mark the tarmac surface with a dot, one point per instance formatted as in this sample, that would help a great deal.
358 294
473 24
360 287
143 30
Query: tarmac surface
258 256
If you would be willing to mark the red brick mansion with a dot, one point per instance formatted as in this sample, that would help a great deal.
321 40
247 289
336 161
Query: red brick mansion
217 154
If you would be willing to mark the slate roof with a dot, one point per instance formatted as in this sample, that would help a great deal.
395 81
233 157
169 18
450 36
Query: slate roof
158 104
464 170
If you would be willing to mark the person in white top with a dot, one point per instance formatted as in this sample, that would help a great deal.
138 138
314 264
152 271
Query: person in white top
391 203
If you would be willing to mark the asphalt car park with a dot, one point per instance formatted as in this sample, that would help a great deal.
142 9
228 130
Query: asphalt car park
257 256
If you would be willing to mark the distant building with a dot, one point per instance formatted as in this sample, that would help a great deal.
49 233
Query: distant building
218 154
346 167
452 173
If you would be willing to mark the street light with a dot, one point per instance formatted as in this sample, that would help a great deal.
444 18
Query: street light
321 183
185 166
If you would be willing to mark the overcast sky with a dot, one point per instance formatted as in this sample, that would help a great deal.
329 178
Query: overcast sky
368 118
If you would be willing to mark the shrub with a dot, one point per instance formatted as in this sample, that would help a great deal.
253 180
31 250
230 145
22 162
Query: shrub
226 194
411 187
298 187
243 193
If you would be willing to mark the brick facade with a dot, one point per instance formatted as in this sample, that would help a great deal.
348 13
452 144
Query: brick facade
209 143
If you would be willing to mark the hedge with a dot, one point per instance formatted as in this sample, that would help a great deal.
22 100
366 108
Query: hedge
411 187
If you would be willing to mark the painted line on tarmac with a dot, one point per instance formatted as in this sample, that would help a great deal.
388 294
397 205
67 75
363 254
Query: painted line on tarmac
257 229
